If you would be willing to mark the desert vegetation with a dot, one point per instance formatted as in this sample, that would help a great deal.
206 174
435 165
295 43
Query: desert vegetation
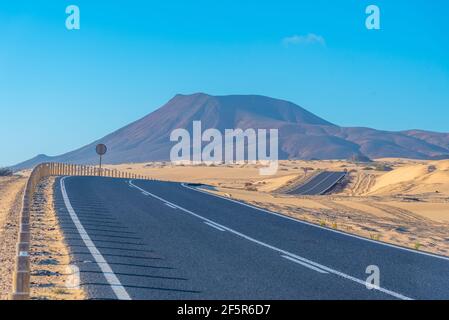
6 172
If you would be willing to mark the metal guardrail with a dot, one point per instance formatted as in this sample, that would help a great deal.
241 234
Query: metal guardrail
21 277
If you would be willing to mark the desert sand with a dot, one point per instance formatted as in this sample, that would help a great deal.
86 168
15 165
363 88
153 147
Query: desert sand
399 201
52 275
10 203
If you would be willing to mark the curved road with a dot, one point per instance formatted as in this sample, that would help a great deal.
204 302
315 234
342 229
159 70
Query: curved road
161 240
319 184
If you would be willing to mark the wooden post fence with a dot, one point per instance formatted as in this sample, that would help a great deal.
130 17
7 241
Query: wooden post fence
21 278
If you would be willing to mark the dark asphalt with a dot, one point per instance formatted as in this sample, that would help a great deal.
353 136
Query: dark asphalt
319 184
200 246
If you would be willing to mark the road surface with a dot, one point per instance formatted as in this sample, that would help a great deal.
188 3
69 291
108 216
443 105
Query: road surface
320 184
161 240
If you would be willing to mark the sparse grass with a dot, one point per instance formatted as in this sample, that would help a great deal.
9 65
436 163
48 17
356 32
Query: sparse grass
382 167
251 188
6 172
323 223
375 237
335 226
60 291
417 245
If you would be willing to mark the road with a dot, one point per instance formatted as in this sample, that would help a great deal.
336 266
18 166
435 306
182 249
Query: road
161 240
319 184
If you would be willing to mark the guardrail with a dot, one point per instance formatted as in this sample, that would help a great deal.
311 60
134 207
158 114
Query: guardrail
21 277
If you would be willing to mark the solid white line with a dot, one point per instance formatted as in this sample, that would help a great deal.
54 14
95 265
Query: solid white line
304 264
110 276
332 185
338 273
214 226
316 184
168 204
330 175
318 226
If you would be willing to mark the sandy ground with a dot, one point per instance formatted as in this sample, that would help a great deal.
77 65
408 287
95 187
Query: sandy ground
400 201
10 203
405 202
52 275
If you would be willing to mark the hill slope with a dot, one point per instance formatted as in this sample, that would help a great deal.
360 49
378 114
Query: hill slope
302 135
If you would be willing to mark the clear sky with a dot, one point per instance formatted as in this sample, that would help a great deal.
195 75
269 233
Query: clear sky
61 89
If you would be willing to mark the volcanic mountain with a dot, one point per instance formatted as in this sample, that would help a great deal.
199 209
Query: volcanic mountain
302 135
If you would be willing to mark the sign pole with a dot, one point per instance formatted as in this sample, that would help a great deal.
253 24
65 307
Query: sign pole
101 150
100 164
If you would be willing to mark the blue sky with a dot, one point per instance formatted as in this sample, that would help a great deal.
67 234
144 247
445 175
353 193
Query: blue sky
61 89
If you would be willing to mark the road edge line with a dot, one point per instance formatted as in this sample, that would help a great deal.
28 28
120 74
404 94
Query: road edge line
322 228
266 245
115 284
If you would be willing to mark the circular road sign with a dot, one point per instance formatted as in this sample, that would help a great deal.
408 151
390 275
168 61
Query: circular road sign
101 149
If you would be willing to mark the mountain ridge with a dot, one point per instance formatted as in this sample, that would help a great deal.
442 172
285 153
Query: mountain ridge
302 134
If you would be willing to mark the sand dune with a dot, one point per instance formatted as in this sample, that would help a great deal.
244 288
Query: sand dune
398 206
427 177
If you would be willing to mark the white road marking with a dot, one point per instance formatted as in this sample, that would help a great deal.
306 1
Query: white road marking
110 276
333 185
281 251
318 226
304 264
168 204
316 186
214 226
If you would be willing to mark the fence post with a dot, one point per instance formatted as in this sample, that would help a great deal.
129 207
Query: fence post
21 277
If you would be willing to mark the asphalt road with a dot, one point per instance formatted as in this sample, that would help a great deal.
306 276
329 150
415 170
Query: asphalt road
160 240
319 184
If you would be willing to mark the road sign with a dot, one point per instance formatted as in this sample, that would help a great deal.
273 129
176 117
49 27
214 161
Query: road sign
101 149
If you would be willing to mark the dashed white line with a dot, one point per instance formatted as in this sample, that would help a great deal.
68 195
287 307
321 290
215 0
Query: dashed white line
281 251
110 276
304 264
318 226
